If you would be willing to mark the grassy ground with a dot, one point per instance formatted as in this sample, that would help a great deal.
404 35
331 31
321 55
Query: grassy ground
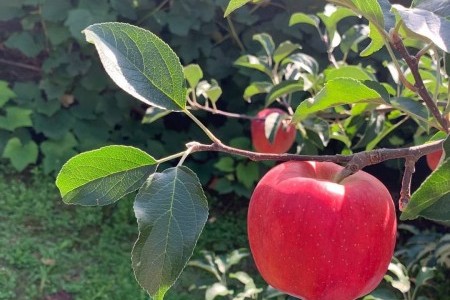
52 251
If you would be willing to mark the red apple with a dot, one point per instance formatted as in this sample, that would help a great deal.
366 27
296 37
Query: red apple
284 137
433 159
317 239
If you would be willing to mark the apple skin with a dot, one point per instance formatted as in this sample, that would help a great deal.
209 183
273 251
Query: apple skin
433 159
319 240
284 137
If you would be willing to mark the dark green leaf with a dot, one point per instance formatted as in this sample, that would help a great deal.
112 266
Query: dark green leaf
171 210
24 42
272 122
266 42
410 106
77 20
55 10
21 155
140 63
57 152
284 88
105 175
284 50
337 92
233 5
225 164
303 62
431 27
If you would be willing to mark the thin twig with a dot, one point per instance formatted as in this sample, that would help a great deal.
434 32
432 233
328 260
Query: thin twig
221 112
413 64
405 192
20 65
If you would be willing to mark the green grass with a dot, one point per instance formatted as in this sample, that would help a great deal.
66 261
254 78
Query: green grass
48 247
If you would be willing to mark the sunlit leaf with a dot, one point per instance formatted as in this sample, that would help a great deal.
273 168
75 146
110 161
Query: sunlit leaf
233 5
284 88
105 175
266 42
140 63
193 74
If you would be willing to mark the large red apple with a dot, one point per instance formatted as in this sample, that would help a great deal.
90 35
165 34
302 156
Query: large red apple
433 159
317 239
284 137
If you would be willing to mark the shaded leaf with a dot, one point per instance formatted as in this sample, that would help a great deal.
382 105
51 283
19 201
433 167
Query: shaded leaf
439 7
140 63
337 92
247 173
171 210
431 27
233 5
353 37
266 42
153 114
105 175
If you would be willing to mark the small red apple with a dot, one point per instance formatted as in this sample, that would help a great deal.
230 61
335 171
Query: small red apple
433 159
317 239
284 137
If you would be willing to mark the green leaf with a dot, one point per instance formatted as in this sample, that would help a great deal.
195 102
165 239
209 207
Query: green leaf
140 63
355 72
371 10
253 62
284 50
330 18
15 117
432 198
21 155
247 173
233 5
337 92
266 42
24 42
57 152
153 114
211 91
283 88
431 27
193 73
55 10
105 175
376 43
225 164
255 88
301 18
353 37
5 93
171 210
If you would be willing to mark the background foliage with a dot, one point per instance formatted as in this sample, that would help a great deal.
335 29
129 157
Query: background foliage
56 101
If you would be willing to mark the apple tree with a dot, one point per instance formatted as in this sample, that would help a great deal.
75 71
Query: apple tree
303 100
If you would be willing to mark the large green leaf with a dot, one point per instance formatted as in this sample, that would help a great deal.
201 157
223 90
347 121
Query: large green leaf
171 210
337 92
430 26
233 5
431 199
140 63
105 175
